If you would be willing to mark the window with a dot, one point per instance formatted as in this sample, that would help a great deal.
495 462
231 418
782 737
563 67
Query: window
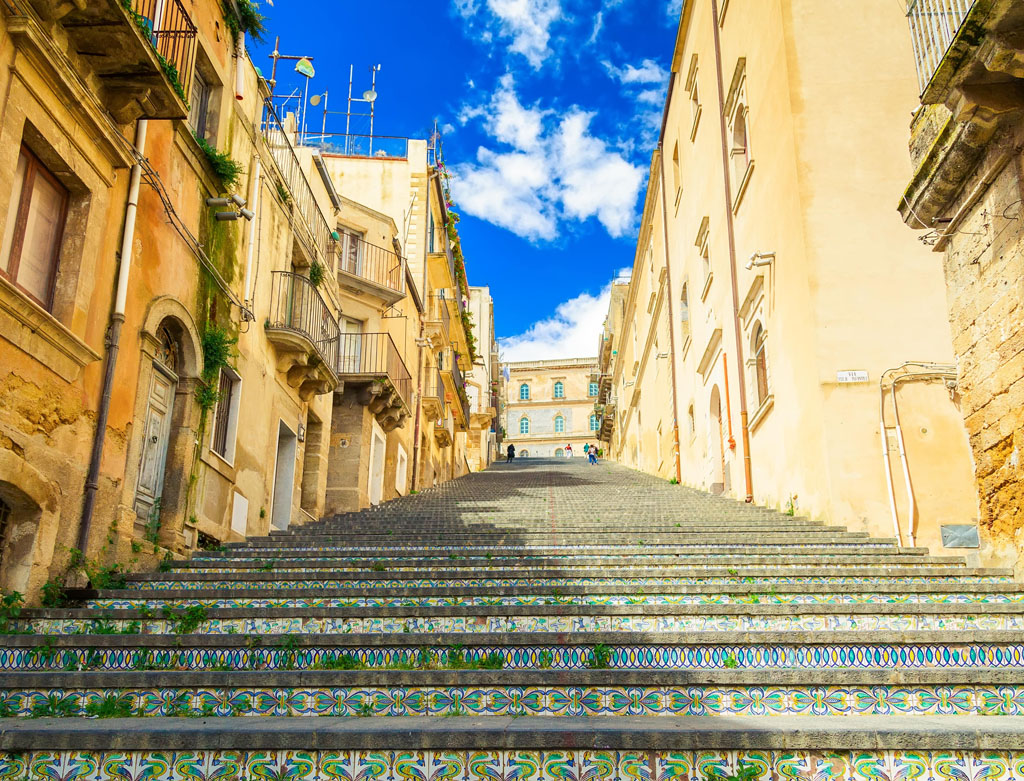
739 153
760 363
199 111
35 226
676 180
430 234
684 312
350 251
691 421
559 390
559 424
524 392
225 415
594 422
738 115
592 389
705 254
693 90
524 425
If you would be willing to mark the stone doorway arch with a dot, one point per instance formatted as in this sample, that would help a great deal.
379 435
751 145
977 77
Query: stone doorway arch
29 516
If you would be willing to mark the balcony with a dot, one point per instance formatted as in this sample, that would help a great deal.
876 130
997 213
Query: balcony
434 406
372 363
304 333
367 268
441 263
314 236
456 388
437 327
141 51
933 26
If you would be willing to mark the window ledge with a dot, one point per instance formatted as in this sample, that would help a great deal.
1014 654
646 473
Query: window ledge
696 121
762 412
679 198
686 346
37 332
707 285
218 464
742 189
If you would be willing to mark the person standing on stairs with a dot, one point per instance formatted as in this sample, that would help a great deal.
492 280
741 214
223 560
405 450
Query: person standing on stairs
510 453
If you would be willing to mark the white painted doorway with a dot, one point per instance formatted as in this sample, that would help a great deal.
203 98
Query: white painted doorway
284 478
378 444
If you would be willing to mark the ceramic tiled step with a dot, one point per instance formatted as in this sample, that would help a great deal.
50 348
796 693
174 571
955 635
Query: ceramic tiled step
535 618
398 526
491 693
583 565
525 650
646 577
626 533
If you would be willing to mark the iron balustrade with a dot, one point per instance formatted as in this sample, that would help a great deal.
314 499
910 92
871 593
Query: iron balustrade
933 25
352 145
377 264
297 306
320 239
171 31
460 386
441 309
374 355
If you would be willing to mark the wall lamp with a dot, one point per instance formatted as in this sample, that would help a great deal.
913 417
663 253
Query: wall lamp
233 200
760 259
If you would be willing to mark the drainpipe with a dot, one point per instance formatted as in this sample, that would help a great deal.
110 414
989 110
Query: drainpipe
671 292
888 463
240 68
254 199
731 231
116 321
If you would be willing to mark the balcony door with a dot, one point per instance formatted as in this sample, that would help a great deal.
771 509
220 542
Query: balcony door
350 361
352 252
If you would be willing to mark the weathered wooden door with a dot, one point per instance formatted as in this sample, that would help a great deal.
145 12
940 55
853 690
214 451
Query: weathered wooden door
157 434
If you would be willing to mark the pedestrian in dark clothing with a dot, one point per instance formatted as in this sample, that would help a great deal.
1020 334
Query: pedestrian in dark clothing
511 453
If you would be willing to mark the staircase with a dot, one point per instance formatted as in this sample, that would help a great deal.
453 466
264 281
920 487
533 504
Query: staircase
541 620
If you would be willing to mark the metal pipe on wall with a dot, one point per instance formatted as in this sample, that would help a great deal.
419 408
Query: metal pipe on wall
116 322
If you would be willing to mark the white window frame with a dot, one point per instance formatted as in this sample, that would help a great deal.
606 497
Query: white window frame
401 470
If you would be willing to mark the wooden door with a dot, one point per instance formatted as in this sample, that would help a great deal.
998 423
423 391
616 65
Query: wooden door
156 435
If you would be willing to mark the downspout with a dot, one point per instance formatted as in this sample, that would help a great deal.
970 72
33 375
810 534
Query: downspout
728 404
731 231
671 292
116 322
254 199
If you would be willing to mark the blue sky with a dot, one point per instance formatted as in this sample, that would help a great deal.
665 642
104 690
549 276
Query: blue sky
549 111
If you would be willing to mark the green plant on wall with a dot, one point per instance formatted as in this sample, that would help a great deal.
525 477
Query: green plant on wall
316 273
218 347
243 16
227 169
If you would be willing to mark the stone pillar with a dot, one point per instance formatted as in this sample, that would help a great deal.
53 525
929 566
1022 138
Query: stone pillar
348 454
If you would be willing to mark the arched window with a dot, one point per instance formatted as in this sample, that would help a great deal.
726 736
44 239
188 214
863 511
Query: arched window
760 362
524 453
691 420
740 151
592 389
524 425
559 424
559 390
524 392
594 423
559 453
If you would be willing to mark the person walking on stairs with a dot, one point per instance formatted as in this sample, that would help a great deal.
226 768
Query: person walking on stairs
592 454
510 453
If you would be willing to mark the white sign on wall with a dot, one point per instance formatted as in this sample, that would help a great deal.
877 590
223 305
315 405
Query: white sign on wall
851 375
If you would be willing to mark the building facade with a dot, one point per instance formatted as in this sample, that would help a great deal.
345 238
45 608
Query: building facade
482 383
204 334
766 347
550 405
966 191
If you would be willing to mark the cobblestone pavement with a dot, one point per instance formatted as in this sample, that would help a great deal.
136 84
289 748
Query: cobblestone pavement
543 619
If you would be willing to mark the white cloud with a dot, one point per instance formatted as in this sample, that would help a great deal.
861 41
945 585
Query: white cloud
571 332
648 72
555 170
654 97
526 23
596 31
673 8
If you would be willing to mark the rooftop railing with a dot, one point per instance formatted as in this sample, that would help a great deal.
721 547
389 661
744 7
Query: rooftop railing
933 25
319 238
296 306
377 264
351 145
374 355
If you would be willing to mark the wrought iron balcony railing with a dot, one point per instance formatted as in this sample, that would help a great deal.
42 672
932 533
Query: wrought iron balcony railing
374 356
376 264
173 34
297 307
933 25
316 233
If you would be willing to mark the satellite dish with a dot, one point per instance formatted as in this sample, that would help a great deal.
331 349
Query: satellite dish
315 100
370 95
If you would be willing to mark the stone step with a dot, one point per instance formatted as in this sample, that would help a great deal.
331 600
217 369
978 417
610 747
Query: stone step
554 551
490 693
480 567
523 650
527 618
630 533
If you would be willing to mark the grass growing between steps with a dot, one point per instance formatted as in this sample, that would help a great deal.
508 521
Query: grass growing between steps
424 659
